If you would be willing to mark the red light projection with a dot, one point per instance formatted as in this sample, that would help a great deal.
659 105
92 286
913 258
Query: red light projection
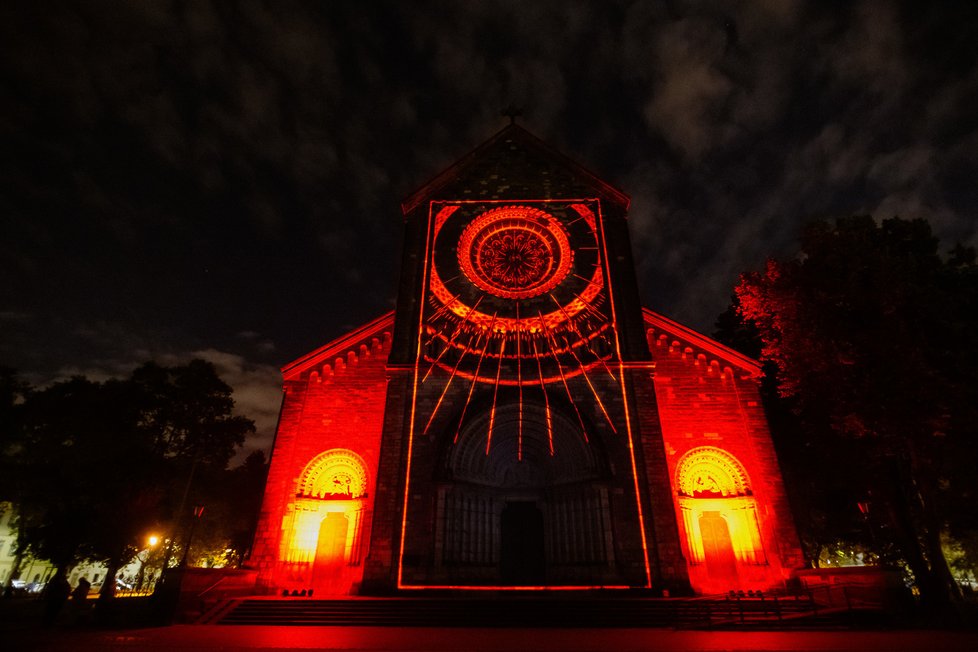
515 252
317 511
719 513
516 433
517 310
324 529
734 521
517 298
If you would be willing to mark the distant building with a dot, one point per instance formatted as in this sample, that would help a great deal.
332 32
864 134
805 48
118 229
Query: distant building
32 571
35 573
520 421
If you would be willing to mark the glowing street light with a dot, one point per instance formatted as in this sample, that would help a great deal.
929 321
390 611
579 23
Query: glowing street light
151 542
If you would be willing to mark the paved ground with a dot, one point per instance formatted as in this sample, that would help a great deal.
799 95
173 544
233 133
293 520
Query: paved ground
20 630
234 638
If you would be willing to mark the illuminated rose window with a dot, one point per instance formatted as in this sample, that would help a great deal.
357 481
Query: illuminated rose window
515 252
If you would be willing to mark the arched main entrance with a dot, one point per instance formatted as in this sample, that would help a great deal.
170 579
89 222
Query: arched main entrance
528 507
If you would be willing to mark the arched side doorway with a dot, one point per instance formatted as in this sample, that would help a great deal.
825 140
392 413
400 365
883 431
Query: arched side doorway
528 508
719 518
324 548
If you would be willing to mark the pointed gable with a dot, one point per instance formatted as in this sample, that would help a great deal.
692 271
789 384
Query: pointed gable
514 164
664 332
372 338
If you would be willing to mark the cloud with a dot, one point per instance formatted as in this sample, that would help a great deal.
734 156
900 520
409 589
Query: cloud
257 392
690 89
257 388
271 144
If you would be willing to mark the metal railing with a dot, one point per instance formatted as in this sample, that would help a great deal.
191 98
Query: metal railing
740 607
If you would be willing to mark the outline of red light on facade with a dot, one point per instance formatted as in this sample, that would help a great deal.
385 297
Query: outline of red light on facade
726 435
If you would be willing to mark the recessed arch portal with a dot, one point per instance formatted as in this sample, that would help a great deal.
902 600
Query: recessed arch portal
326 521
710 472
525 518
523 445
336 473
719 517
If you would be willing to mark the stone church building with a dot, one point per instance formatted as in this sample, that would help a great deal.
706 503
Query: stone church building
520 421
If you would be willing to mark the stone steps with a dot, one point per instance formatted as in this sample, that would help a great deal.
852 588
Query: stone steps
507 611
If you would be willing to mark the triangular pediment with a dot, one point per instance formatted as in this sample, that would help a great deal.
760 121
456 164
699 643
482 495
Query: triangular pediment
514 164
674 332
373 336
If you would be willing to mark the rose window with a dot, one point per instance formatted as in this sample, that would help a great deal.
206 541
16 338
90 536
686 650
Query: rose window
515 252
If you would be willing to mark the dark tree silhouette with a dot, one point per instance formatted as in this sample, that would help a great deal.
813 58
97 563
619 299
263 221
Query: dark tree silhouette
873 337
97 464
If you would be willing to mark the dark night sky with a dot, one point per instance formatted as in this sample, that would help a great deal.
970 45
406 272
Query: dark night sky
223 180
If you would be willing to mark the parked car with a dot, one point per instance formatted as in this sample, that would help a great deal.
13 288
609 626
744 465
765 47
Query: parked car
23 586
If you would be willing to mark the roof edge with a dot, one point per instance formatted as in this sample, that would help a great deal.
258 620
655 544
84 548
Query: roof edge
751 366
342 343
444 177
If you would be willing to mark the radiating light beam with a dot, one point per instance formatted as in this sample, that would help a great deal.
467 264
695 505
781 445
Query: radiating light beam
495 394
586 280
475 377
444 391
560 371
546 399
444 308
583 339
519 385
451 340
590 385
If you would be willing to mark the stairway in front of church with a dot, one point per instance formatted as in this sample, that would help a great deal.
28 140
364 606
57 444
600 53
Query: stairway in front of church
576 612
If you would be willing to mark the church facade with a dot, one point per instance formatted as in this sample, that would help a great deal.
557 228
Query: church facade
519 421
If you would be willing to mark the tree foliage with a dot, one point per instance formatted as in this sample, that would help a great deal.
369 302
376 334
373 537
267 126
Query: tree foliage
872 335
232 498
97 464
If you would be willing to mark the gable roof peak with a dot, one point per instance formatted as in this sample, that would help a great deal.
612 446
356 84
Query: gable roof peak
513 144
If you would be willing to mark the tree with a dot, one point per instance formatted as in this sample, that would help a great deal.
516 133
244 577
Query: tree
85 477
189 417
97 464
188 412
821 469
872 336
232 498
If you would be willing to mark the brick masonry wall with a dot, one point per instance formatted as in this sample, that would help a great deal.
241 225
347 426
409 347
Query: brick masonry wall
704 402
338 404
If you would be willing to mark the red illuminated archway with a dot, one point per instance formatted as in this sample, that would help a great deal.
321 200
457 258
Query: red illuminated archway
719 518
325 525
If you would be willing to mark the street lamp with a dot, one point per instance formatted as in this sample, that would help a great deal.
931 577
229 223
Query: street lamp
151 541
198 512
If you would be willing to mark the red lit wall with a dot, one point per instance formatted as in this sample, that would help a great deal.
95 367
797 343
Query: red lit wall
733 516
313 529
